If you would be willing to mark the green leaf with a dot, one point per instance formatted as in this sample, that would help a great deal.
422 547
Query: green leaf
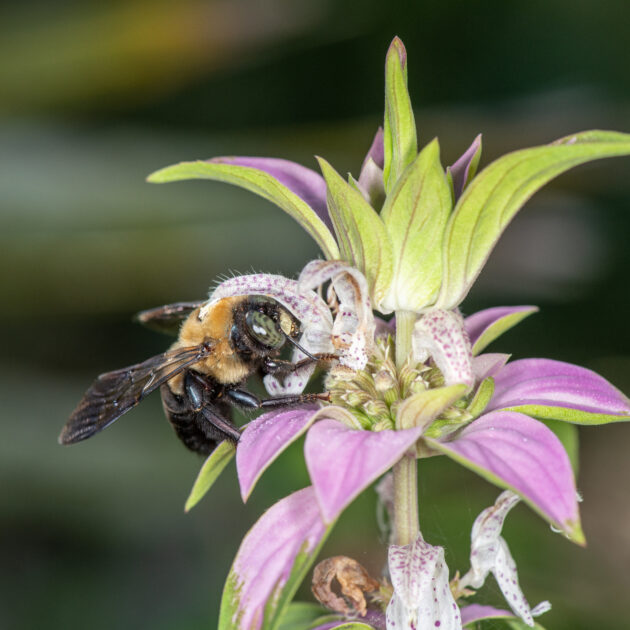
260 183
500 326
568 435
363 238
499 191
399 129
211 469
302 616
415 214
482 398
574 416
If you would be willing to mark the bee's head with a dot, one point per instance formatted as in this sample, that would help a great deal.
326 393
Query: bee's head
267 323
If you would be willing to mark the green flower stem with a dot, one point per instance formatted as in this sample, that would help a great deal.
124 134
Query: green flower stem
406 524
404 329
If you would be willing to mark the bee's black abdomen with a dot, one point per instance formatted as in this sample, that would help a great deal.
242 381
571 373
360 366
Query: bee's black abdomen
178 413
192 427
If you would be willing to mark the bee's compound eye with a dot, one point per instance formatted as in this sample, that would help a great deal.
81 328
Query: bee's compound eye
264 330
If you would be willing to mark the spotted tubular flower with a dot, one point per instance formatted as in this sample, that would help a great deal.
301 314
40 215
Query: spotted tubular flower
441 335
489 553
422 598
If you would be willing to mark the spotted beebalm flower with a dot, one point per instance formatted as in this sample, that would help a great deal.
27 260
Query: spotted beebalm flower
440 334
479 410
410 237
422 597
489 553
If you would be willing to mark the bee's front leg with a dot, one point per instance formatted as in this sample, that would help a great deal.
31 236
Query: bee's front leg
279 366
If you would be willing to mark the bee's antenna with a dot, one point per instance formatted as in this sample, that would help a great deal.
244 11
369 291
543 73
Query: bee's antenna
299 347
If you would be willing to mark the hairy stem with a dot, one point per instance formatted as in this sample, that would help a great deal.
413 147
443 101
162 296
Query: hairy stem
406 525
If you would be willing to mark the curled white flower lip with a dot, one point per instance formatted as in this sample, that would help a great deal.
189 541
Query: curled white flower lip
353 328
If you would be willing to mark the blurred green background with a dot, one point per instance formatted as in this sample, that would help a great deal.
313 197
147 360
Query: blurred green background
96 95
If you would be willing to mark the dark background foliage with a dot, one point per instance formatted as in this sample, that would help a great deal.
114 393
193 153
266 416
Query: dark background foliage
95 95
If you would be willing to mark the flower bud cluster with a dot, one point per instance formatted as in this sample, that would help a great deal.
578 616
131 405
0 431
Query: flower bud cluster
374 393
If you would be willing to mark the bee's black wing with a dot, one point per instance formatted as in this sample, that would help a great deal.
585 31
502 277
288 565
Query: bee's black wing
114 393
167 319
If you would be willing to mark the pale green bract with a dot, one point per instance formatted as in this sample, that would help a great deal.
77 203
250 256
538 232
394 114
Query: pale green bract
575 416
362 236
399 128
260 183
415 214
499 192
482 397
420 409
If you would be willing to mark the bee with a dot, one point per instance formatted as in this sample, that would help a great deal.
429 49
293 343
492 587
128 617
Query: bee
203 374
